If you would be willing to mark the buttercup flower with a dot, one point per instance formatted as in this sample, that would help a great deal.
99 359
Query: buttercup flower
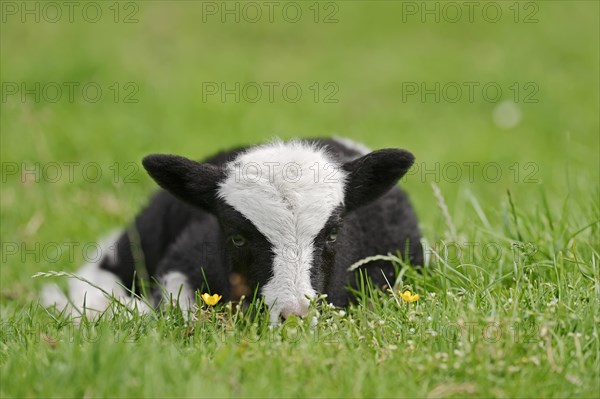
408 297
211 300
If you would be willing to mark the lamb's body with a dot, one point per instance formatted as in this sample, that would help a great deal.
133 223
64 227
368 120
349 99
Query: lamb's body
184 247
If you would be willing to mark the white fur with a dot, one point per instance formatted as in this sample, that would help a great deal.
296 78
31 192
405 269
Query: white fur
88 298
176 289
94 299
288 209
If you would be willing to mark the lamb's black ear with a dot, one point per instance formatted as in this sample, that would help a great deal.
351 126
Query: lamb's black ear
372 175
190 181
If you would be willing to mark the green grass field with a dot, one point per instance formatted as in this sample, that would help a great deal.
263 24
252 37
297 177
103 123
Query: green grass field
501 113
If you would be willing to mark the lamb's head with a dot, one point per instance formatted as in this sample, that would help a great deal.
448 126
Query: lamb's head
280 207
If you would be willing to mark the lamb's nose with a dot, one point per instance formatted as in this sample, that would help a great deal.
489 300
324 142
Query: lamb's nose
296 309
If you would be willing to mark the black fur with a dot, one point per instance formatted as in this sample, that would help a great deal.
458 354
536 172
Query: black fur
179 232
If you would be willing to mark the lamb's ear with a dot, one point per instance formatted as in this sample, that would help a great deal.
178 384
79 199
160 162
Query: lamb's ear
190 181
372 175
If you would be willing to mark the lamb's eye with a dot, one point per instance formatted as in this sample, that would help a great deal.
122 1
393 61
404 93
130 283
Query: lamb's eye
333 234
238 240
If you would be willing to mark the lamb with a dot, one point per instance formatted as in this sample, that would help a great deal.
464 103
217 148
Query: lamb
286 219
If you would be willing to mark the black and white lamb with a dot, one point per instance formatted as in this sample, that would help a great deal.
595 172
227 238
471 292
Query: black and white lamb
286 219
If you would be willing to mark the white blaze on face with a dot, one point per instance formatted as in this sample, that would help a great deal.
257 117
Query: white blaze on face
288 191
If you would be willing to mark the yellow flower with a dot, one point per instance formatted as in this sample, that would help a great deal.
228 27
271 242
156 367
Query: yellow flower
211 300
408 297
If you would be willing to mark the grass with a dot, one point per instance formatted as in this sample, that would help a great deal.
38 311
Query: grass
509 305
